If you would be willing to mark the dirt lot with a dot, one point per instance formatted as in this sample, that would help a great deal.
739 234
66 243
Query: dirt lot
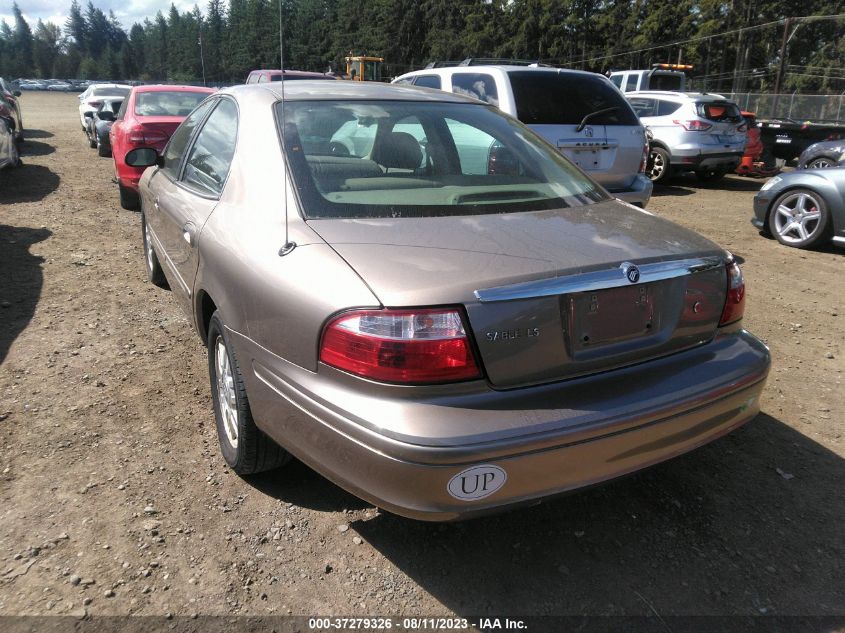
114 499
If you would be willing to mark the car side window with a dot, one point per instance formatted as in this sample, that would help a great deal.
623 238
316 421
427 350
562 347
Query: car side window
211 155
630 83
261 79
122 111
643 107
429 81
665 108
479 85
617 80
179 141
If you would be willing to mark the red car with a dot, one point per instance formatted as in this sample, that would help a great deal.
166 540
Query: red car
147 118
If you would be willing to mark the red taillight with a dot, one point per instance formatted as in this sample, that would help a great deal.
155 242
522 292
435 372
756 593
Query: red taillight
405 346
694 125
735 301
140 136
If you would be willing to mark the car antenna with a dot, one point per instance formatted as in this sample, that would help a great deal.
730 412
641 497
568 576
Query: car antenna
288 246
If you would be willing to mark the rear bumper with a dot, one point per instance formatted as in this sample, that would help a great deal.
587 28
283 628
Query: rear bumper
400 453
638 193
692 160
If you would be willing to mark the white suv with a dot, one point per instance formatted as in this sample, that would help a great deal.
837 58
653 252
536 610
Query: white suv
92 98
692 131
582 114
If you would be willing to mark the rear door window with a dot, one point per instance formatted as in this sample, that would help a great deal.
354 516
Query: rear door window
565 98
428 81
179 141
631 83
479 85
642 106
665 108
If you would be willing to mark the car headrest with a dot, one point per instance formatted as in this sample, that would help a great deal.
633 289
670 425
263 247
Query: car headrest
399 150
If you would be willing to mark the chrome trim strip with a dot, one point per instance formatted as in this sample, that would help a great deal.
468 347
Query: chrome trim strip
839 240
598 280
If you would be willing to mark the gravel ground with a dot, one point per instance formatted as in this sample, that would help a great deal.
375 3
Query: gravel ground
114 499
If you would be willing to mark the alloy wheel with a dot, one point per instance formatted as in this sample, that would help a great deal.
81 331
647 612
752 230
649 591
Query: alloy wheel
658 166
820 163
798 217
226 391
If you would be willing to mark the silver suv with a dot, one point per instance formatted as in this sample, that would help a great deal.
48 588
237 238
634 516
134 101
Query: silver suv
581 113
692 131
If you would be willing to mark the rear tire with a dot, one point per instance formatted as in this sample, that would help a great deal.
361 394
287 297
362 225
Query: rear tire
92 143
102 150
800 218
129 199
710 175
244 446
153 267
658 168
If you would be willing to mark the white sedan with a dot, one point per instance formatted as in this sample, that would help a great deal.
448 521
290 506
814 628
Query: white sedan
92 98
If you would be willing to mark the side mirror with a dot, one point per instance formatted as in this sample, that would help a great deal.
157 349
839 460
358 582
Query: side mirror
105 115
143 157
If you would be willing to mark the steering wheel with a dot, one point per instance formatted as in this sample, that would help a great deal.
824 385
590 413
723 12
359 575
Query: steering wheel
338 149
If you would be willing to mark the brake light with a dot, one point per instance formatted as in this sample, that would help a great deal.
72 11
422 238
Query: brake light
404 346
735 300
694 125
140 136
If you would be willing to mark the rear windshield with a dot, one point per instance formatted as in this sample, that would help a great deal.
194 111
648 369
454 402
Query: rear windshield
111 92
410 159
719 111
566 98
670 82
166 103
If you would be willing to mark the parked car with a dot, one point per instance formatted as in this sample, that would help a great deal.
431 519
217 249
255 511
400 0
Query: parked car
693 131
59 86
9 156
803 209
823 155
10 108
438 341
786 139
92 98
147 118
580 113
263 76
99 123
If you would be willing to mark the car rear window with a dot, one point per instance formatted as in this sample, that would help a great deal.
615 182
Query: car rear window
111 92
167 103
719 111
565 98
411 159
661 81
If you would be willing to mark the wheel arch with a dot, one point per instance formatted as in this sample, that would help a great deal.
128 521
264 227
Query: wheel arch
204 308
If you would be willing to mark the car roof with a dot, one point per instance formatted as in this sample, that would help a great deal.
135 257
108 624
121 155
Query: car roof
502 67
165 88
293 73
343 91
692 96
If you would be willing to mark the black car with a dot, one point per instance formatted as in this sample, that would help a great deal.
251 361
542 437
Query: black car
823 155
99 123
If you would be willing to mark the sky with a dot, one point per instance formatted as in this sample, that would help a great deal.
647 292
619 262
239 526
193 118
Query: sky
127 11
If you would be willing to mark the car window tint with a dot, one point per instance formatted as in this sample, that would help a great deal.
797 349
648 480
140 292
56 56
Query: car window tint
179 141
405 81
122 112
353 138
427 159
565 98
631 83
665 108
660 81
617 80
643 107
719 111
211 155
428 81
478 85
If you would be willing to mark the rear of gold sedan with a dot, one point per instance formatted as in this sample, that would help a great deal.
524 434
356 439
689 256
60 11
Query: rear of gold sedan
435 309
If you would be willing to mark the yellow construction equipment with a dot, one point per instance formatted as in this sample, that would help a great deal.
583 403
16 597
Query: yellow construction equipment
363 68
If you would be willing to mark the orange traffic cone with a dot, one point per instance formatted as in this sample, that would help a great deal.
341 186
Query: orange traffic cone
746 166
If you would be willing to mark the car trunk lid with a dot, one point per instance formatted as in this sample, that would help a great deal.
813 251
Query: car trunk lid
548 294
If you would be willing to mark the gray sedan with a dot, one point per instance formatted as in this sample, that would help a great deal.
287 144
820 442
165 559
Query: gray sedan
823 155
803 208
427 303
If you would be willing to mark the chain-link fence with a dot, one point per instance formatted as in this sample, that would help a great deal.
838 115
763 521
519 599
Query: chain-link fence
792 106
